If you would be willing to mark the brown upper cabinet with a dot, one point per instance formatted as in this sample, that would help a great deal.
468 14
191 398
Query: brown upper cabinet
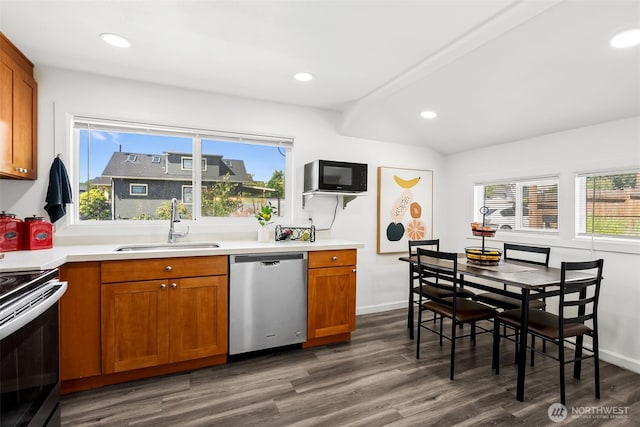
18 114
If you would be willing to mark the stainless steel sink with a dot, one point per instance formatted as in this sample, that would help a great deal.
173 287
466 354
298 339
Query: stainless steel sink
166 247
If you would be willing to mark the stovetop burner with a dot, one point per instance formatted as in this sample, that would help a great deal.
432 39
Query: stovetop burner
15 284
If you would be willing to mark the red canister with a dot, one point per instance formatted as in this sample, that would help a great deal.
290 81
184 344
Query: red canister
11 230
38 233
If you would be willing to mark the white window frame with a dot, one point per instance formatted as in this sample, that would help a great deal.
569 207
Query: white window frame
580 221
520 183
206 224
132 193
184 168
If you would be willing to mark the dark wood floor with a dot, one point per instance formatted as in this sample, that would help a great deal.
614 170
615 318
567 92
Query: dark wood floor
373 381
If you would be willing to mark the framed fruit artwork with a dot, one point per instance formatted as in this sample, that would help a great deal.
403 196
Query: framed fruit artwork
405 207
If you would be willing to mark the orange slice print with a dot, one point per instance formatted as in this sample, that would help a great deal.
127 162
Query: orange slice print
416 229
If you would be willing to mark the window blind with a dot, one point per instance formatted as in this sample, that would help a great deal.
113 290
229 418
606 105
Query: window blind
608 204
530 204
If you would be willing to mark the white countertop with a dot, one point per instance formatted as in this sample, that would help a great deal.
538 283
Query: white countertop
51 258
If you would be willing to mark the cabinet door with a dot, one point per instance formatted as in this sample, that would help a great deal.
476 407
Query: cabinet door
198 317
24 125
80 346
6 117
135 325
332 301
18 115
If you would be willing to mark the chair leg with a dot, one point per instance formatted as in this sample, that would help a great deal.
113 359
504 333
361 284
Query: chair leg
496 347
561 360
441 330
596 362
533 348
453 347
410 314
517 335
577 364
419 326
473 333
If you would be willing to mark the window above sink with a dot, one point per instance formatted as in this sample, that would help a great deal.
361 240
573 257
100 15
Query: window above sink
128 172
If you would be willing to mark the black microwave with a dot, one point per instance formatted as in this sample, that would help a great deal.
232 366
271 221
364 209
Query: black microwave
328 175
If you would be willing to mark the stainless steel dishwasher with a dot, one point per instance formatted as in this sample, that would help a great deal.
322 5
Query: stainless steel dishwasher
267 301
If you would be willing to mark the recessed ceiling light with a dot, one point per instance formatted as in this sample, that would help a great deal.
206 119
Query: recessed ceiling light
428 115
626 38
303 77
115 40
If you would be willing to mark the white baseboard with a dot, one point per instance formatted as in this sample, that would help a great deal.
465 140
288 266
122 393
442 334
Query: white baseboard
617 359
379 308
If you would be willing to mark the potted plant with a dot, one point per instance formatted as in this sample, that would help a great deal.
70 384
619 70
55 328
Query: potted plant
264 216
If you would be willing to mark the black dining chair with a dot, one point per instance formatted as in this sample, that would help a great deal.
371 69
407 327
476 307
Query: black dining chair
457 308
430 292
579 294
535 255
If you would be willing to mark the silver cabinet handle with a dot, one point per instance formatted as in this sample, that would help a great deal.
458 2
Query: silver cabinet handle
354 270
168 268
163 286
173 285
335 258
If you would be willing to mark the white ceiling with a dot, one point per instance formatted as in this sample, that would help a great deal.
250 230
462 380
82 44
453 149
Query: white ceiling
494 71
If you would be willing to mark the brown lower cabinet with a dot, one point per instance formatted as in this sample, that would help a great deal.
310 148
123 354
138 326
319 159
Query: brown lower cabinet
155 322
131 319
331 293
79 308
125 320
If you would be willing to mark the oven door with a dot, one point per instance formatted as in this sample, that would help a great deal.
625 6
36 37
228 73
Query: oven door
29 366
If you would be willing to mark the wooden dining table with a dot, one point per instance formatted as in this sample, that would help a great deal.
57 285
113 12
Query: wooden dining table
542 281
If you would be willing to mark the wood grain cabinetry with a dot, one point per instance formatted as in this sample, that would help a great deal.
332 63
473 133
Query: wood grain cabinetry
79 308
156 312
18 114
331 305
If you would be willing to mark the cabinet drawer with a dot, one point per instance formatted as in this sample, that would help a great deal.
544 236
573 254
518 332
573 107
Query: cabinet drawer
162 268
332 258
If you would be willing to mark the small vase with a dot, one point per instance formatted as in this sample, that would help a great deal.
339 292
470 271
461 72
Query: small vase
263 234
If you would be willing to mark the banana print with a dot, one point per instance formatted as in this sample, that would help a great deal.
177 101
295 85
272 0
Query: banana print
406 183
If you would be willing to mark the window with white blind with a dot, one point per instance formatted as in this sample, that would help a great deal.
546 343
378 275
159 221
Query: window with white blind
528 205
608 204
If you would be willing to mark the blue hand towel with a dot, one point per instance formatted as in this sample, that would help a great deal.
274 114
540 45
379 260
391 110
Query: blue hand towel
59 192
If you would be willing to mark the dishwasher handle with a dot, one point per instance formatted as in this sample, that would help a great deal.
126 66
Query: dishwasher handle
270 263
267 257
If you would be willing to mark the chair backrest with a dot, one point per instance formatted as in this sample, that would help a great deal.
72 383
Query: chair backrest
579 292
433 244
523 254
445 268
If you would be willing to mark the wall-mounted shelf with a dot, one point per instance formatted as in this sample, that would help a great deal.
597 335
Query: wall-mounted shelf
346 197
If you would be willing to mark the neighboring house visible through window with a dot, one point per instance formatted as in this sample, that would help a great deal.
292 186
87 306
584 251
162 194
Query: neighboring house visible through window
129 174
608 204
530 205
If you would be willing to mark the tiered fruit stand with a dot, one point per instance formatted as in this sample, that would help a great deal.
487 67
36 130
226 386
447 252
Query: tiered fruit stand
483 255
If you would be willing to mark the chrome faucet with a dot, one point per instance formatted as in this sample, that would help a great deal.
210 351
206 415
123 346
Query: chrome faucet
174 216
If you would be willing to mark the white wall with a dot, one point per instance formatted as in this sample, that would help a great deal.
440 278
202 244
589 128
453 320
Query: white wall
381 279
613 145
